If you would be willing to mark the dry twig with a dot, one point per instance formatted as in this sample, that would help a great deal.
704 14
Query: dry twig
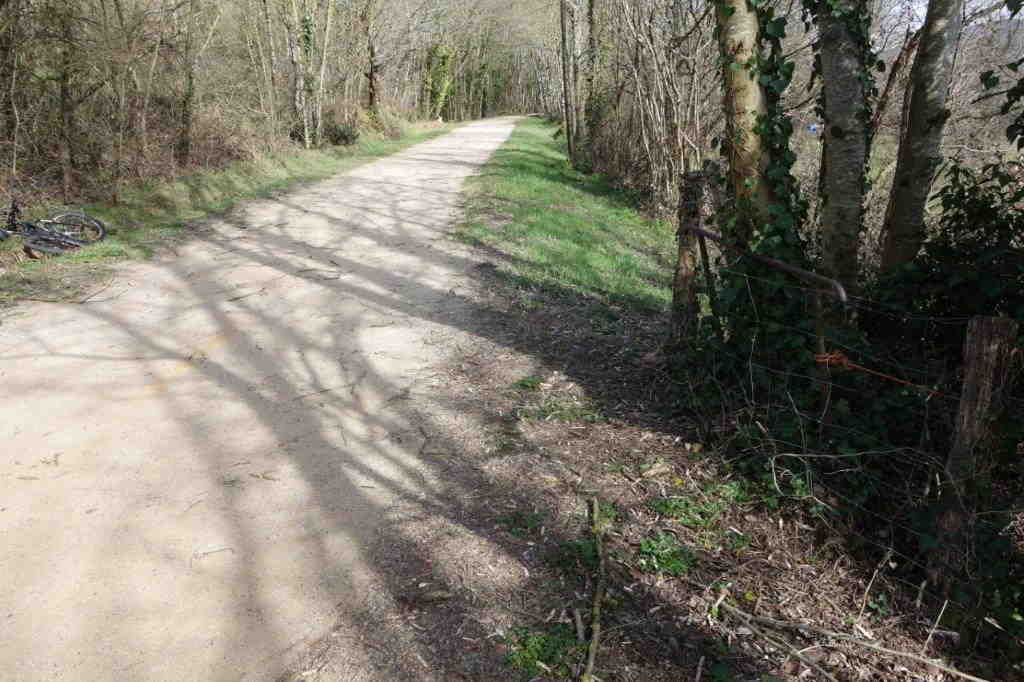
803 627
777 641
597 528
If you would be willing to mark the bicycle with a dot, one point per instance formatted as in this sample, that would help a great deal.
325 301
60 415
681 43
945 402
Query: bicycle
54 236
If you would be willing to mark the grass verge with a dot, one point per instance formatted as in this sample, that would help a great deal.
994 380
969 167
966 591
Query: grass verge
560 230
152 215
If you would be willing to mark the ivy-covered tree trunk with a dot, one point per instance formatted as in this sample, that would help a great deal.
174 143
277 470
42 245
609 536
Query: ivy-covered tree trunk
843 50
919 155
373 65
744 103
438 79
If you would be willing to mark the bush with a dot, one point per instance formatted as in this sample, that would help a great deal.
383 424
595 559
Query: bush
340 133
973 264
331 132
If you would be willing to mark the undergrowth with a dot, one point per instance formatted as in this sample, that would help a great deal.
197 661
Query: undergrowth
850 468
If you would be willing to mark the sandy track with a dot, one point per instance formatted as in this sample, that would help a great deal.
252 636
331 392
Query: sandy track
195 461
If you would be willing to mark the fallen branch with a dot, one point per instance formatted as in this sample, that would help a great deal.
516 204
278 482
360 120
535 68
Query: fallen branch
803 627
779 642
597 528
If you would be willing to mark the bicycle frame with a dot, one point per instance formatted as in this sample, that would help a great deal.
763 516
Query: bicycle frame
30 229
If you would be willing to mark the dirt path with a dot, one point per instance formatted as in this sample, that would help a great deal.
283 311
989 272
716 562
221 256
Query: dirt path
196 461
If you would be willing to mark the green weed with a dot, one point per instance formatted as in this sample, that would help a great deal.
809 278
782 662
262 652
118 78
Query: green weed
662 553
577 556
530 383
563 410
543 651
609 511
521 523
705 511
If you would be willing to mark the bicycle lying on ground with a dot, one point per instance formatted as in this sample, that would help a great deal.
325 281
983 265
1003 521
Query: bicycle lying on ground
63 232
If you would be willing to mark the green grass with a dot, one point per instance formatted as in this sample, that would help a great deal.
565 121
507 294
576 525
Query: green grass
562 410
522 524
565 232
528 383
662 553
550 650
703 512
577 556
151 215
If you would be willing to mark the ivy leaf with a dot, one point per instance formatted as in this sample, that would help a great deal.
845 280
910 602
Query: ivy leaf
880 66
1014 6
776 28
989 80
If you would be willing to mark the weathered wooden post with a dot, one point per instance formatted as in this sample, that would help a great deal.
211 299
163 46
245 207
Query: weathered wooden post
989 356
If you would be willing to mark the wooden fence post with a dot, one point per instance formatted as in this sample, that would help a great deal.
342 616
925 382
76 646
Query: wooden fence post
989 354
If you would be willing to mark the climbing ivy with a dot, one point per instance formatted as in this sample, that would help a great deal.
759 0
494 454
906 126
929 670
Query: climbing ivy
768 345
758 303
437 78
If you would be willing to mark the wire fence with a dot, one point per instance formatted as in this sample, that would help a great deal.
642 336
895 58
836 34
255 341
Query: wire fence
894 485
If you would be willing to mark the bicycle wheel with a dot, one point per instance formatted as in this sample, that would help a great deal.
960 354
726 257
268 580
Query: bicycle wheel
78 226
54 245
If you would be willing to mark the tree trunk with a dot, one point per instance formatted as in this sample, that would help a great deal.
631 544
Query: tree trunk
919 152
67 119
183 148
8 56
297 49
272 70
591 113
684 288
908 48
372 77
373 67
577 99
325 50
744 102
569 106
844 153
988 358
